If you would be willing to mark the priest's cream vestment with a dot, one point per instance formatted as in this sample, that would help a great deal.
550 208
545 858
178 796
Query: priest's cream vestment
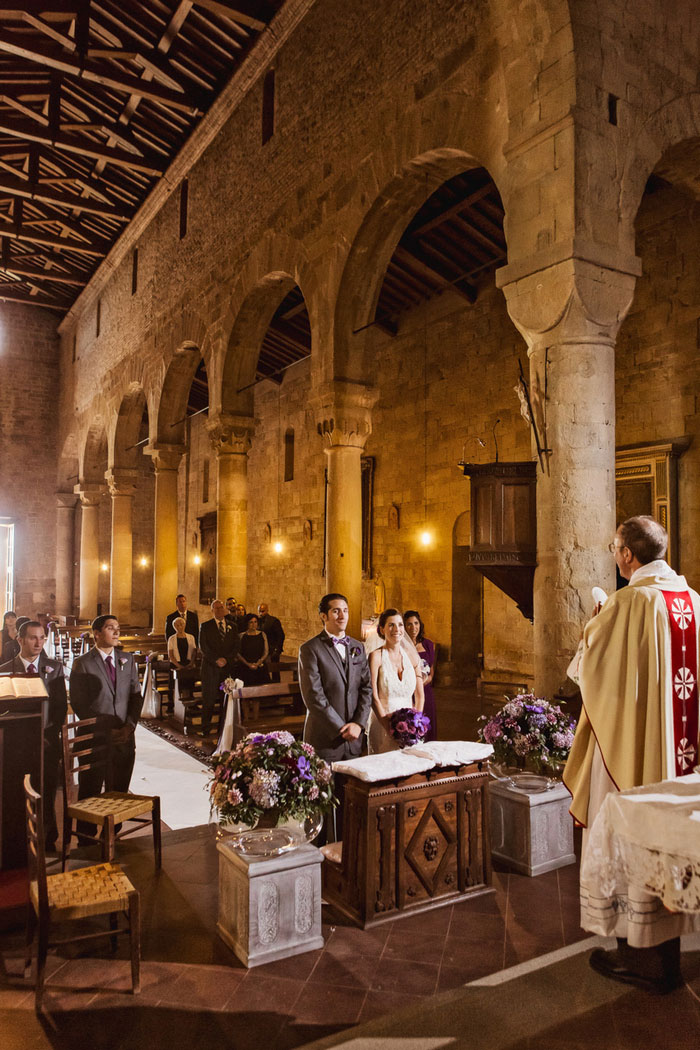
639 723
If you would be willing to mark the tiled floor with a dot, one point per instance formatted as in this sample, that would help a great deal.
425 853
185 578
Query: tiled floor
191 981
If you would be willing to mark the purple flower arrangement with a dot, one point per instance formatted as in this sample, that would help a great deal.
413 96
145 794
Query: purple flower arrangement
408 726
269 771
529 729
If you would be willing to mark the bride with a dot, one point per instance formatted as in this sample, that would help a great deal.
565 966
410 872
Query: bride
396 677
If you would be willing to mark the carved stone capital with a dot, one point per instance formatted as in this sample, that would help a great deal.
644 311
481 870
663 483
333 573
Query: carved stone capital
121 481
165 457
572 301
66 500
231 435
344 413
89 493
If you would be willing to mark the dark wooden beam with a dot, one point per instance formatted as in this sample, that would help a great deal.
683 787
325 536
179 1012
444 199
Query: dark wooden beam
17 188
31 236
247 12
43 275
28 47
30 132
453 209
31 300
413 257
286 331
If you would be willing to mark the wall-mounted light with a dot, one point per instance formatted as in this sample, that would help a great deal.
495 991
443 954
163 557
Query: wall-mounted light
426 538
197 560
143 562
277 547
104 567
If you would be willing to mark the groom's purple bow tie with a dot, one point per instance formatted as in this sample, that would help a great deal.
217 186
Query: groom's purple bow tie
339 641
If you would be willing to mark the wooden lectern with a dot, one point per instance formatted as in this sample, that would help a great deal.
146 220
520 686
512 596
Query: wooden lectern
23 716
410 844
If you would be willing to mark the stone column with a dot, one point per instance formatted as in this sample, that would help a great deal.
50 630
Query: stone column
344 412
569 314
122 484
166 459
90 496
231 439
65 534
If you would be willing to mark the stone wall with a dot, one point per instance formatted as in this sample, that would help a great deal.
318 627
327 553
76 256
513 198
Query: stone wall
28 449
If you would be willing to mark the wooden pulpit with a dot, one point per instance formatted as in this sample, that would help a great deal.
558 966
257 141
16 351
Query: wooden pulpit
410 844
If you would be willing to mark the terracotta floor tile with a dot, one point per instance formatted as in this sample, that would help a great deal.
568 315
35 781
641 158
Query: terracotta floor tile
328 1006
346 940
377 1004
347 970
202 987
297 967
257 994
410 947
394 975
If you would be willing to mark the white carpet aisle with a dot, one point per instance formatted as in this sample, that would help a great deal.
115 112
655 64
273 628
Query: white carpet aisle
179 779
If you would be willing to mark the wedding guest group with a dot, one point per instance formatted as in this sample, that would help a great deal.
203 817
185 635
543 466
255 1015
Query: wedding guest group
219 645
191 618
639 725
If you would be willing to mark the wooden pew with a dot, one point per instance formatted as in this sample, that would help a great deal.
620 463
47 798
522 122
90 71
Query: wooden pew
266 708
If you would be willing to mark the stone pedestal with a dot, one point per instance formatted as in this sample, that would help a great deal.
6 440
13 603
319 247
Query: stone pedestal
270 908
533 833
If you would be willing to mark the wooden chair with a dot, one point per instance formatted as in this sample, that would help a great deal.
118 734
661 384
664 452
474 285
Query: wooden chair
86 745
102 889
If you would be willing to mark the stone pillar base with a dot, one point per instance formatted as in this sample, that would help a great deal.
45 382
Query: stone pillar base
270 908
532 833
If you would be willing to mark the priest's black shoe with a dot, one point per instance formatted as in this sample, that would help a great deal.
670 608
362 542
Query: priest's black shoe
614 965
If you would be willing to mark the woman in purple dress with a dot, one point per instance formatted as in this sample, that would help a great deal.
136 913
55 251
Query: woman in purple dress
427 651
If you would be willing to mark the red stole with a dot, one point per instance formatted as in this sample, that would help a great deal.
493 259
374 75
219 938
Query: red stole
684 675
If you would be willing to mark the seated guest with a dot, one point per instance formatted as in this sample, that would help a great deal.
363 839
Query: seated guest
32 660
191 618
273 629
427 651
9 644
253 654
181 646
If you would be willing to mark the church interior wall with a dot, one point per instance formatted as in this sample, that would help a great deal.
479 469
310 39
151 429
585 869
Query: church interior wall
29 351
657 365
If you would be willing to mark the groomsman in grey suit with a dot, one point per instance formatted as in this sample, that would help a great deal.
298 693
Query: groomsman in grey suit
335 685
32 660
104 683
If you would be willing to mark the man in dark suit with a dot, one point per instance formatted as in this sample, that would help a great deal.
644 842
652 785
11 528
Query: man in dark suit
272 629
219 643
104 683
191 619
32 660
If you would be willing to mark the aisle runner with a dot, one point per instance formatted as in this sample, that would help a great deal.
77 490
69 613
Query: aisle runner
179 779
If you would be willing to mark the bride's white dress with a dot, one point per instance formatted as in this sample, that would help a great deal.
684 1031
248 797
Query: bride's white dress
395 693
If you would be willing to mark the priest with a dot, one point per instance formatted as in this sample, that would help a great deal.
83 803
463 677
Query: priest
638 725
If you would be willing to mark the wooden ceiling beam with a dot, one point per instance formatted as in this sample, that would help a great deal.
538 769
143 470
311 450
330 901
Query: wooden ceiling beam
453 209
31 300
27 47
417 262
82 147
50 240
43 275
247 12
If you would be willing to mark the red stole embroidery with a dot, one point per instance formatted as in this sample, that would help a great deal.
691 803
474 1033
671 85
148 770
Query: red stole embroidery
684 675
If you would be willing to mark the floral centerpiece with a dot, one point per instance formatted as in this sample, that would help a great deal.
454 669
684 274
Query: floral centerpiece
269 774
529 730
408 726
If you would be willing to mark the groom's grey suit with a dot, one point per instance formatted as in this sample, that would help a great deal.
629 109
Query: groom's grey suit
335 692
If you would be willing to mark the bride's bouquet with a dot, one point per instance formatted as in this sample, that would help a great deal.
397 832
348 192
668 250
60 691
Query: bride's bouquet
408 726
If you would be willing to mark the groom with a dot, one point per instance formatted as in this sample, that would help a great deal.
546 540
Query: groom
335 685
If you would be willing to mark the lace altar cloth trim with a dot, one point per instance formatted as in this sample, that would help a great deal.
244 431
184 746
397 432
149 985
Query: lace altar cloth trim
648 838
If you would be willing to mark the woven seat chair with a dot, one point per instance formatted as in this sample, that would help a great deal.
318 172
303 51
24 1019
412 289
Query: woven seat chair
102 889
86 746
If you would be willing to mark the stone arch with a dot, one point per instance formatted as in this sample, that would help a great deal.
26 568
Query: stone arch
93 460
376 240
668 129
125 451
276 265
172 404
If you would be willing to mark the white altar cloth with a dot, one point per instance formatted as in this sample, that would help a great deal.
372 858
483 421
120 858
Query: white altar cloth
643 851
389 765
